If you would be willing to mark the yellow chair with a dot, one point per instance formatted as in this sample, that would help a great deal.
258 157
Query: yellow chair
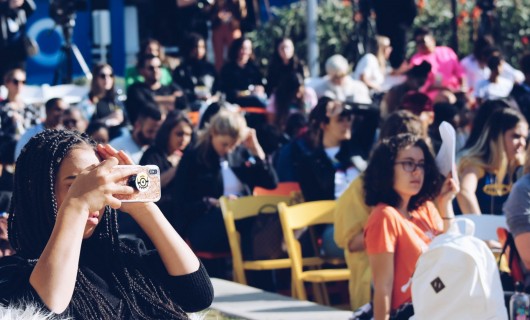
245 207
297 217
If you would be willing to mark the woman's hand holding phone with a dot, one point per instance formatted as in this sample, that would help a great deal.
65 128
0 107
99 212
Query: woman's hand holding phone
94 188
106 152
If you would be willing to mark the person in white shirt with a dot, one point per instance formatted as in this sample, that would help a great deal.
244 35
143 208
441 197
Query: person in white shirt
372 67
476 65
142 135
338 85
55 109
496 86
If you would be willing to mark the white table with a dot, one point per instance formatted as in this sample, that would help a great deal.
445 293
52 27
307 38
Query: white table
255 304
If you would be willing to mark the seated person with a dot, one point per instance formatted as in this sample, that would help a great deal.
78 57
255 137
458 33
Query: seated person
415 79
283 62
517 211
195 75
70 260
403 184
338 85
166 97
55 108
351 214
495 87
167 149
322 160
488 168
149 47
446 72
290 97
240 78
142 135
103 103
73 120
227 160
372 67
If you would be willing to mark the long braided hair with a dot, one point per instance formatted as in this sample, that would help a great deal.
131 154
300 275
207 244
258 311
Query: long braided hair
33 213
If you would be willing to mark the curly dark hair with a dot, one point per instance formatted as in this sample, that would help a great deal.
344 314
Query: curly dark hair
32 218
379 175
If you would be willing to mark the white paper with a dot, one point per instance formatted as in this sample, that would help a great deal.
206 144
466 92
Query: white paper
445 159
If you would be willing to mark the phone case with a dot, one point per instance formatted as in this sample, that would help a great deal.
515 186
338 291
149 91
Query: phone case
146 184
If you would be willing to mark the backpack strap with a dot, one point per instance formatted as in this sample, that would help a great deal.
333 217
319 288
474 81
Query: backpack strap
514 260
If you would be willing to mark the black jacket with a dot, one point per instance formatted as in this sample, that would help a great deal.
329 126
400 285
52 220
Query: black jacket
312 168
196 179
233 79
192 73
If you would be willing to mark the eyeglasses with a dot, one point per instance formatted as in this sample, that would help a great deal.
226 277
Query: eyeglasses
17 82
106 75
411 166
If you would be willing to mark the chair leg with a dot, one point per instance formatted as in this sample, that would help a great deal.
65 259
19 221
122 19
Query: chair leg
325 294
317 292
300 290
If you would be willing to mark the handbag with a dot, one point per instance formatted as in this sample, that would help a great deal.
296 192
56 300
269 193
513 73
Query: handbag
263 238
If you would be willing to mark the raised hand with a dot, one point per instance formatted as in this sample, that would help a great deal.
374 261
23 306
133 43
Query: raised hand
94 187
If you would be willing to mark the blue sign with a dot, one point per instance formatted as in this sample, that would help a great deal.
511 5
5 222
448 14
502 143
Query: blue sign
41 67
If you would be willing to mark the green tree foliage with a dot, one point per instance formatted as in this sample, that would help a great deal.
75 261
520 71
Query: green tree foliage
335 25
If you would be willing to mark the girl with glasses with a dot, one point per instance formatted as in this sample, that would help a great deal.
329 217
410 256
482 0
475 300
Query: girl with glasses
411 205
15 115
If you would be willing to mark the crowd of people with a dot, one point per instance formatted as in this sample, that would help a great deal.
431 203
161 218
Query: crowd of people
364 134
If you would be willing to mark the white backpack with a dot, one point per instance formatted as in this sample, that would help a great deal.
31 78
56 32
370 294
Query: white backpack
457 278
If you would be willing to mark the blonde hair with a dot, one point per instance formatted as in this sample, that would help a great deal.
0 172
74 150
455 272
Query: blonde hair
337 65
382 43
489 152
226 123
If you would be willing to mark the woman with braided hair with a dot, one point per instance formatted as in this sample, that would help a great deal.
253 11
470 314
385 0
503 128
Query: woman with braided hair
69 259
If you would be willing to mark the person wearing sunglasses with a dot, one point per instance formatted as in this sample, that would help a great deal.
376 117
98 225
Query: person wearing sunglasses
102 103
411 204
16 116
172 139
322 160
152 90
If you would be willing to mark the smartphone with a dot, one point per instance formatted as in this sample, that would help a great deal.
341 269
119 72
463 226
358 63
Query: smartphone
146 184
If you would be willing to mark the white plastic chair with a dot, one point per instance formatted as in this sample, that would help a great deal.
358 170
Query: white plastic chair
486 225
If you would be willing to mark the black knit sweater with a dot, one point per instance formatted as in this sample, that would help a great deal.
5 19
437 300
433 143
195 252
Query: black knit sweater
192 292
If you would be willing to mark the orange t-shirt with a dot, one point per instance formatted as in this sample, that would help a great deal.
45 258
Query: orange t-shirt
389 231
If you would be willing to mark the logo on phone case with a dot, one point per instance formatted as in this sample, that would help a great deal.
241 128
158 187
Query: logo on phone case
142 181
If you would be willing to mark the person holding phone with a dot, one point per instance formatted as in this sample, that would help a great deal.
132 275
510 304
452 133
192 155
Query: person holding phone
227 160
69 259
